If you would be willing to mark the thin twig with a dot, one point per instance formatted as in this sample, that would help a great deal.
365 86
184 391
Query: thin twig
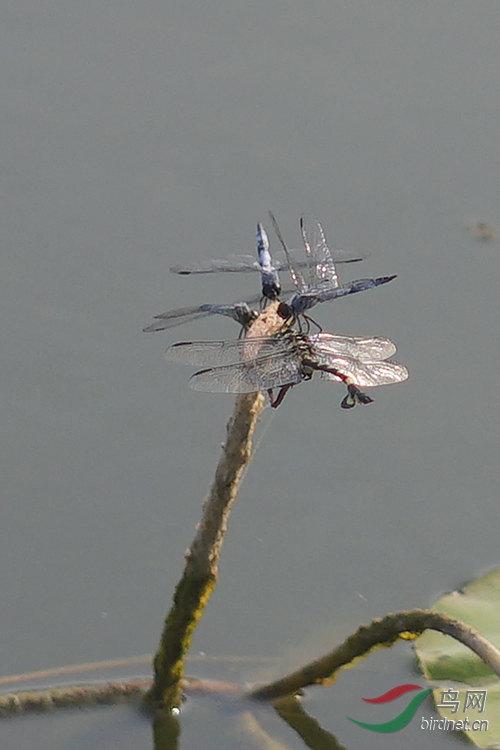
381 632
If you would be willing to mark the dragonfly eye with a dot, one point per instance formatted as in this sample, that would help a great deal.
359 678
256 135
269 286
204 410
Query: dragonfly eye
271 290
284 311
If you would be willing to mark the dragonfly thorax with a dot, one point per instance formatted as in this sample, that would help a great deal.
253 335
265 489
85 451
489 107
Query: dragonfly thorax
303 346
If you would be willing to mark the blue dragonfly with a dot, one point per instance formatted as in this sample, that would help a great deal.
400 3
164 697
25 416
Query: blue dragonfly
241 312
321 284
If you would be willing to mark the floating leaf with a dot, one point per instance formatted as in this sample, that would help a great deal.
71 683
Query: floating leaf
466 683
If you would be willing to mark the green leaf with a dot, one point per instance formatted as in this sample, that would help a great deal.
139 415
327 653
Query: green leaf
445 660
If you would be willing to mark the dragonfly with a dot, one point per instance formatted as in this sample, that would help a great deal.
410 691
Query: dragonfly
286 359
241 312
321 282
321 285
267 265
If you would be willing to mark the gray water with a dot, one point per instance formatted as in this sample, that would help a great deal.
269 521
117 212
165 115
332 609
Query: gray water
136 135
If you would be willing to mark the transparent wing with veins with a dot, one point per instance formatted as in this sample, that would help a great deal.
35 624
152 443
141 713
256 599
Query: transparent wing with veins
322 271
322 282
319 267
293 267
364 348
366 373
259 374
241 312
234 351
231 352
364 360
248 263
267 363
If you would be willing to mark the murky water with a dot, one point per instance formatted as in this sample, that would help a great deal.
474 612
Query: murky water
138 135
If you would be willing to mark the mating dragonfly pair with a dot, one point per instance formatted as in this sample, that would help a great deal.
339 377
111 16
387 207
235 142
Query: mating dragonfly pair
288 356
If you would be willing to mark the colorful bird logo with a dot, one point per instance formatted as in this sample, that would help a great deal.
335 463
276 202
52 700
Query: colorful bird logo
402 719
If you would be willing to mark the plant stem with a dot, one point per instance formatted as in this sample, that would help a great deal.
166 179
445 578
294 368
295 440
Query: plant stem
407 625
202 558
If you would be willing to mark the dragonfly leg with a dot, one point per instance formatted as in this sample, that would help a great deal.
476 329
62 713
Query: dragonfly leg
275 402
311 321
298 323
264 302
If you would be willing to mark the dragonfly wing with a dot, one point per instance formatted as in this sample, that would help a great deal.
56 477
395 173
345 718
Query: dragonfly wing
238 311
299 261
177 317
245 263
367 374
258 374
233 352
296 275
231 264
206 352
241 312
340 255
367 348
322 271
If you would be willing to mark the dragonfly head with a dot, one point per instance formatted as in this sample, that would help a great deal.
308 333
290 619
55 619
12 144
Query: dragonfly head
284 311
271 289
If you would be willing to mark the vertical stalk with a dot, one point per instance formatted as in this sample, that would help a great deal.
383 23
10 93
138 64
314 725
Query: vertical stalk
202 558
